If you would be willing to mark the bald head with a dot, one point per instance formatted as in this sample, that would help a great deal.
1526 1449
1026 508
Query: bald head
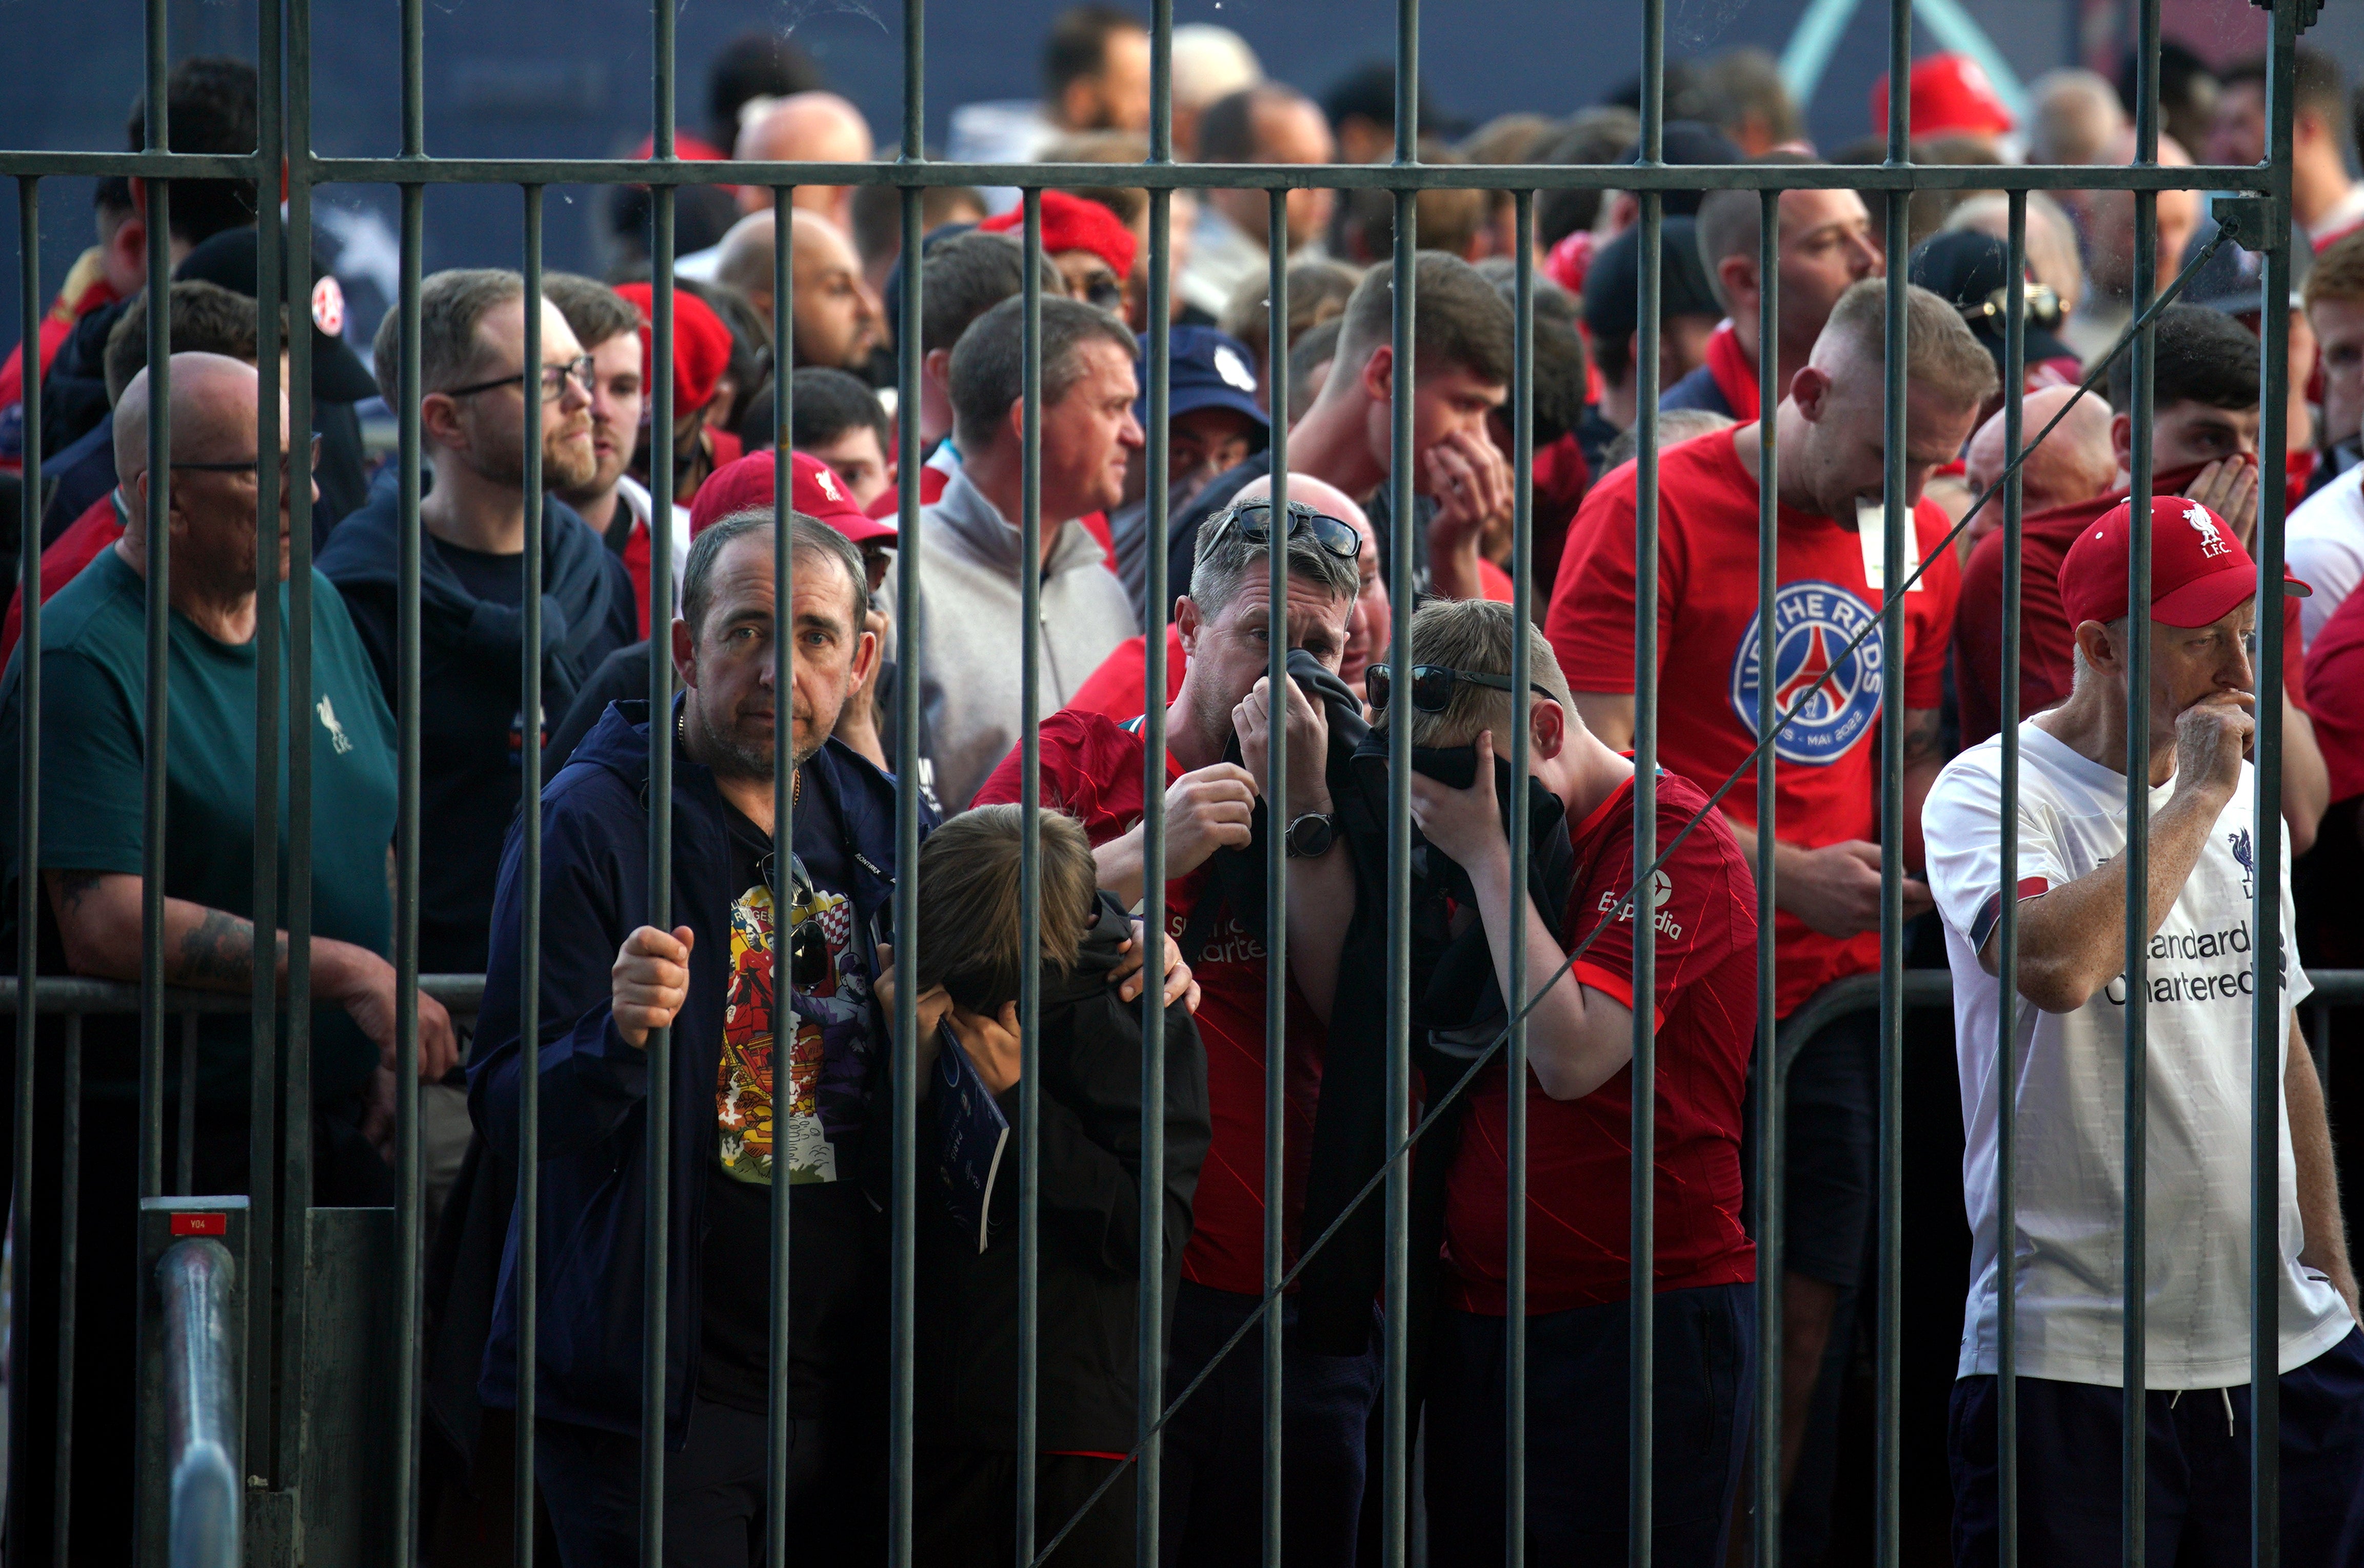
806 127
1317 494
745 263
2110 220
2074 464
2077 116
213 415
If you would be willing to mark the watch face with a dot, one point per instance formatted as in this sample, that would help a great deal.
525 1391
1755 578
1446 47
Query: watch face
1310 837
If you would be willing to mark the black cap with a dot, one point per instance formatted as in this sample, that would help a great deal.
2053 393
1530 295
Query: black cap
1613 287
1690 142
1971 272
1369 91
2233 280
230 259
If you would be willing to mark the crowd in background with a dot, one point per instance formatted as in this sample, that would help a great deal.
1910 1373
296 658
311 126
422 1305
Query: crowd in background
746 915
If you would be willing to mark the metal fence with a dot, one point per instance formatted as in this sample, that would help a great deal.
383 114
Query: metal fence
275 1433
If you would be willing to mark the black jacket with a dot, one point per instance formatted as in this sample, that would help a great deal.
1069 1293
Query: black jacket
1089 1266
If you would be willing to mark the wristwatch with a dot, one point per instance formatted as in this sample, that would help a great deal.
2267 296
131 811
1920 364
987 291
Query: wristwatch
1310 836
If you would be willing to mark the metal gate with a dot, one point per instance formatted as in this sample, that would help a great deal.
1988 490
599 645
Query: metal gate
278 1260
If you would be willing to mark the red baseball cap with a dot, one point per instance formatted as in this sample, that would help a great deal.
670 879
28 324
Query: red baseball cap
2199 572
701 345
1072 223
744 485
1947 95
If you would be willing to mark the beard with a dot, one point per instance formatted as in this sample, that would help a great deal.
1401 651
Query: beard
737 755
569 461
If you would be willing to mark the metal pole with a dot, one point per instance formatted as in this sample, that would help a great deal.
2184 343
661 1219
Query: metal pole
529 1170
158 540
28 895
1769 1077
1030 889
779 1426
2007 942
1276 881
1515 1063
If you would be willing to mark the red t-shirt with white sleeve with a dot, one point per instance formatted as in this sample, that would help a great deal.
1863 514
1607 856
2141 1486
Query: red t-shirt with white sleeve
1828 756
1092 770
1579 1152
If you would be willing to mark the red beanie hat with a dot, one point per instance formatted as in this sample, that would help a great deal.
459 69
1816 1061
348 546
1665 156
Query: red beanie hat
1071 223
701 345
746 485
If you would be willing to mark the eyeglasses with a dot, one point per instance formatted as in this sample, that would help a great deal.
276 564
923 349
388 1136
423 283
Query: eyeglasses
553 381
2042 308
252 466
1339 538
1432 686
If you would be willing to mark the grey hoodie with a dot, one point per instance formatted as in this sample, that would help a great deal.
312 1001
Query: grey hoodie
969 639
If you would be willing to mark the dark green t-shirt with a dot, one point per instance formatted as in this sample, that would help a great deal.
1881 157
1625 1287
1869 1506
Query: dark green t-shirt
94 707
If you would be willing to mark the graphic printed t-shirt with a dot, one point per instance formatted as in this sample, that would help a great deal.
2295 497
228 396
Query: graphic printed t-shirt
816 1128
1091 771
93 743
1828 755
1579 1151
2071 1083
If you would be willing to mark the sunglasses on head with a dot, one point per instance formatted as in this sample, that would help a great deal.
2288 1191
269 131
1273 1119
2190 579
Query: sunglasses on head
1432 686
1333 534
2042 308
808 944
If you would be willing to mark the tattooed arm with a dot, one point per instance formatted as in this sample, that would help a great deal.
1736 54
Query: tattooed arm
99 922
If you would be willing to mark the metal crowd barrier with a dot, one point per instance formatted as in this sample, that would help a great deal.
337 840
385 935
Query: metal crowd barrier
277 1277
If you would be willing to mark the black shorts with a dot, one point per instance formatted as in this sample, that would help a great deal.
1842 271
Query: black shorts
1831 1146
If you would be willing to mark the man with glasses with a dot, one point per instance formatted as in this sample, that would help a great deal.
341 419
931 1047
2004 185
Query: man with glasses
472 414
1217 728
93 741
1701 903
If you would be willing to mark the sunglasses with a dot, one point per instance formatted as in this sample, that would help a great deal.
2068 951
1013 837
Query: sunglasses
553 381
252 466
808 944
1432 686
1339 538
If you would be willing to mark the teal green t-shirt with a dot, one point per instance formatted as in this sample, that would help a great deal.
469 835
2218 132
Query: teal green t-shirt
93 739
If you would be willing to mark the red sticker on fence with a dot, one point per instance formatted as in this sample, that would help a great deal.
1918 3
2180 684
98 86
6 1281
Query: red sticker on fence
200 1225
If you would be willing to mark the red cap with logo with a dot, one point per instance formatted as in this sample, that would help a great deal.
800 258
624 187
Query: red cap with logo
744 485
1947 95
2199 572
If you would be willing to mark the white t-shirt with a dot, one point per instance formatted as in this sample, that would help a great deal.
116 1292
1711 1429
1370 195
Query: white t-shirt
2324 544
2071 1094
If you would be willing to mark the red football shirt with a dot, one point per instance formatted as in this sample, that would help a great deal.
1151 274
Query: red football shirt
96 529
2047 640
1091 771
1116 688
1707 657
1579 1152
2335 670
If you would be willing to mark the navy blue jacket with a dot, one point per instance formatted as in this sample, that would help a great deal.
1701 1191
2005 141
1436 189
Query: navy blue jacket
594 1087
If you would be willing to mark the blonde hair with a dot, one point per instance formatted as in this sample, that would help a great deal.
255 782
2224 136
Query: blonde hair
1476 636
968 939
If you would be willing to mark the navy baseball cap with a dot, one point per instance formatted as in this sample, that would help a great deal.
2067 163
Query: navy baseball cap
1205 369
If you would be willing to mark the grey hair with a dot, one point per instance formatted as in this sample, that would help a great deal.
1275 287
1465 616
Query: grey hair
807 537
2080 670
989 364
1227 560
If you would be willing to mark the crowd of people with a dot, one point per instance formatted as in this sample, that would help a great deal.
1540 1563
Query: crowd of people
792 1086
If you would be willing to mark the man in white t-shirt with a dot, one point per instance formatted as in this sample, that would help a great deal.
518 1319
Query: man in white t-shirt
2069 1045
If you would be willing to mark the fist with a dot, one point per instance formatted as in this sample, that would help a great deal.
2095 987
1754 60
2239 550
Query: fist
2210 736
650 980
1205 811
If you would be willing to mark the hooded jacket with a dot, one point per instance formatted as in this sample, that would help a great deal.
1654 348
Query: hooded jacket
1089 1269
595 1176
471 728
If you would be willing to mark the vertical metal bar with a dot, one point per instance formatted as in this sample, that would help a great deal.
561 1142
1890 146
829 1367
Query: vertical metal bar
270 699
1769 1081
2133 1456
184 1155
292 1247
159 626
905 1201
777 1435
1514 1065
1276 881
2015 384
1030 887
69 1268
529 696
2266 1041
1897 516
1395 1394
1151 1324
655 1337
28 879
1641 1293
406 869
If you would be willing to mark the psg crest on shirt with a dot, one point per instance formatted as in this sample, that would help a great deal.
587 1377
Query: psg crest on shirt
1813 624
